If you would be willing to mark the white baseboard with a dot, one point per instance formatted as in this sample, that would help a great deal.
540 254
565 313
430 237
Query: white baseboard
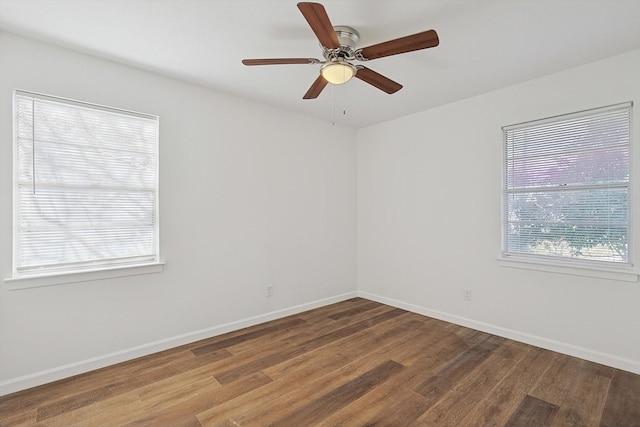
32 380
557 346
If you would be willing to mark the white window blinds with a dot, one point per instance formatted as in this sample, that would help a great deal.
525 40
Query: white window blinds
566 187
86 183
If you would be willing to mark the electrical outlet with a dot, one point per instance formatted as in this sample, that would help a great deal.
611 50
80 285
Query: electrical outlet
466 294
269 291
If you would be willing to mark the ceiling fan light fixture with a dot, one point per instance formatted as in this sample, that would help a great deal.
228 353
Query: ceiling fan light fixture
338 72
339 47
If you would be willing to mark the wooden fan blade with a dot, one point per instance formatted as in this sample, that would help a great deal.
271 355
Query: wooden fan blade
423 40
318 20
277 61
378 80
315 88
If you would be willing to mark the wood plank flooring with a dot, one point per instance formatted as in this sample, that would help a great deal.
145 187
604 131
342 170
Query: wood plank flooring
354 363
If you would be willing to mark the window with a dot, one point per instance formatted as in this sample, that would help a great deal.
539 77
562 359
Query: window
566 188
86 186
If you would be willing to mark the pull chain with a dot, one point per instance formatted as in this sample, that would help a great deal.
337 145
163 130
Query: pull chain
333 122
344 100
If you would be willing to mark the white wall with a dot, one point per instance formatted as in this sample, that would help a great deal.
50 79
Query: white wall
429 200
249 196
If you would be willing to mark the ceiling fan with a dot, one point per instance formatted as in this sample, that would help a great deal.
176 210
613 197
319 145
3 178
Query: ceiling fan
338 48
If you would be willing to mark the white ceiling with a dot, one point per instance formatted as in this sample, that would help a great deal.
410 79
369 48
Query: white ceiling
484 44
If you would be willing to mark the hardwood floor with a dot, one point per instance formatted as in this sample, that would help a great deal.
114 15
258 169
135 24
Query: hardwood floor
355 363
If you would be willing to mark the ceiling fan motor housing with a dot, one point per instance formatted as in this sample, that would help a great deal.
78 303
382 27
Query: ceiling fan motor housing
348 38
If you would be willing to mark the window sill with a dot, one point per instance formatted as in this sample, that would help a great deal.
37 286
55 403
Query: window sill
37 281
619 274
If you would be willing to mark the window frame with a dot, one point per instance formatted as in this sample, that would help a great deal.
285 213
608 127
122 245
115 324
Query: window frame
624 271
102 268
